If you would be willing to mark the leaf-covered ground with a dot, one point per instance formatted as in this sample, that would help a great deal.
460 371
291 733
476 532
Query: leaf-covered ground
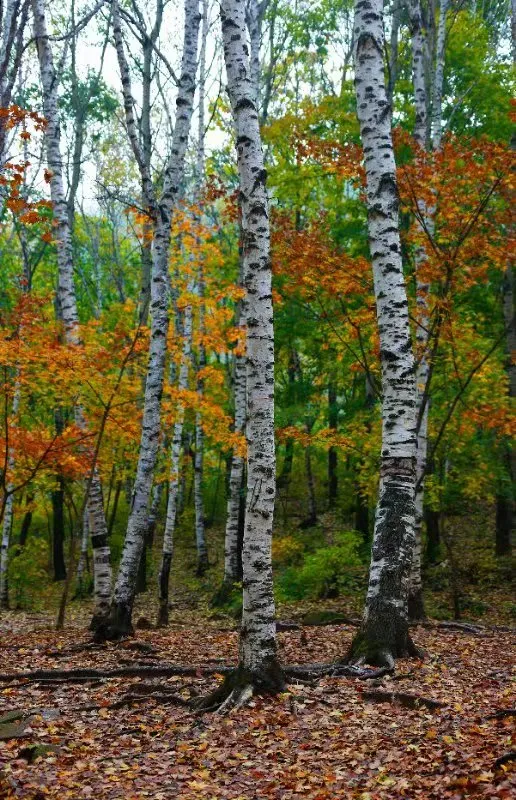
316 742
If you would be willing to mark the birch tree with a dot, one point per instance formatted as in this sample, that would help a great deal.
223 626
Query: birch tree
66 293
423 105
7 520
200 533
13 20
173 485
258 668
119 622
415 600
383 635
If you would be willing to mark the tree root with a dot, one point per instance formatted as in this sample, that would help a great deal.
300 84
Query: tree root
166 698
81 674
239 686
263 684
335 670
503 713
403 698
465 627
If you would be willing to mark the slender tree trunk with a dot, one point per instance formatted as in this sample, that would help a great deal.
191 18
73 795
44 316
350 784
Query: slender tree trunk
200 536
58 532
333 416
416 606
310 485
235 519
124 594
437 94
82 565
175 455
383 635
27 521
232 541
258 666
66 292
7 521
505 496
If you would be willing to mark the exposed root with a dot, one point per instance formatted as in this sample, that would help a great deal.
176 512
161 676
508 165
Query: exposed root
503 713
310 672
367 650
240 685
403 698
78 675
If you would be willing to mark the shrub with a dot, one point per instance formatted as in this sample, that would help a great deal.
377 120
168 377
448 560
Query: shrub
328 572
27 574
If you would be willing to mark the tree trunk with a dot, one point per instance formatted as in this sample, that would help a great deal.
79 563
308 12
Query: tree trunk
82 565
26 522
123 599
333 417
7 521
66 292
310 486
383 635
437 94
175 455
200 535
258 665
236 486
58 532
416 608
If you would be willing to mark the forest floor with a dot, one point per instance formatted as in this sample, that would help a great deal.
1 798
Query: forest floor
336 738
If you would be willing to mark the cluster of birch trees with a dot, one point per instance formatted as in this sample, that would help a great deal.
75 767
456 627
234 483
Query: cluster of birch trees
167 144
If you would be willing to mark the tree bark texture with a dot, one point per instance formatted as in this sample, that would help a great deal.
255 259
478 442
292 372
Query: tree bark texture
66 291
123 599
384 631
258 661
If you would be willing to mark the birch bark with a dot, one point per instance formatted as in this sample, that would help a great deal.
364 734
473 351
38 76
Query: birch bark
232 540
7 521
416 607
258 668
66 293
173 486
437 94
124 594
383 635
200 533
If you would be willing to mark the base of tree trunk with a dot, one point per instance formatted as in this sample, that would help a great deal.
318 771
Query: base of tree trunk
116 625
202 565
370 647
416 606
162 620
239 686
100 617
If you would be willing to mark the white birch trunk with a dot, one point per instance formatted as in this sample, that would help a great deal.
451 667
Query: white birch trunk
83 558
173 486
66 293
437 95
7 521
258 663
124 594
384 632
232 542
200 534
416 608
